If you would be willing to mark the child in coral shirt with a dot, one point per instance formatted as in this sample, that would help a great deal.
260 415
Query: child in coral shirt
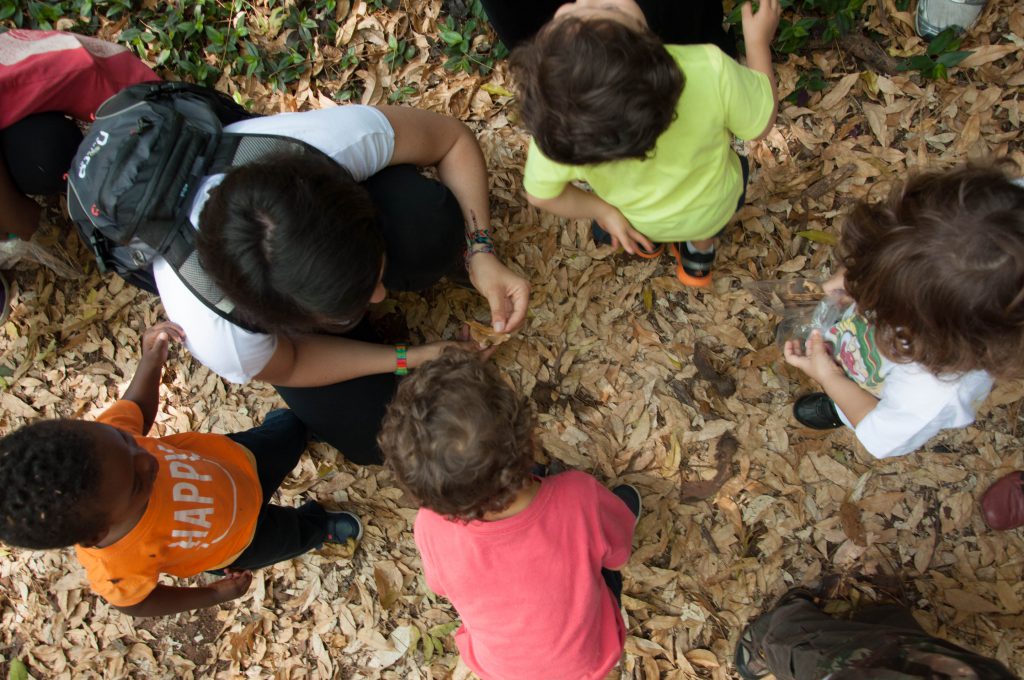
530 564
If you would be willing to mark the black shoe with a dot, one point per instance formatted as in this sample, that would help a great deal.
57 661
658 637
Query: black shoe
631 497
342 526
817 411
600 236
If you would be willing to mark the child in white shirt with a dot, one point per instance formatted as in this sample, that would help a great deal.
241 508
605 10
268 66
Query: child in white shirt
936 275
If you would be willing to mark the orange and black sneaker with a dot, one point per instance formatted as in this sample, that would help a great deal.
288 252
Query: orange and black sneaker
692 268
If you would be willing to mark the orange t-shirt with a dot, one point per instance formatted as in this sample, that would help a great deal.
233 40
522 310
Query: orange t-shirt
201 515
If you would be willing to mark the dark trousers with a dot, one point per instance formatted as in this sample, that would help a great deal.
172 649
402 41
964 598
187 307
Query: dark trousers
801 642
424 235
38 150
678 22
614 581
281 533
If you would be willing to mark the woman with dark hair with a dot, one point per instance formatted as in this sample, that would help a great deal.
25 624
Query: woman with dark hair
675 22
302 245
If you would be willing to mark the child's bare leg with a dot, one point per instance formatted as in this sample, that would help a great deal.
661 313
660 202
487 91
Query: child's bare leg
703 246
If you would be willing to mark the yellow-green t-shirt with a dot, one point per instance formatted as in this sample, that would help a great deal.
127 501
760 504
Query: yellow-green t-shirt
688 188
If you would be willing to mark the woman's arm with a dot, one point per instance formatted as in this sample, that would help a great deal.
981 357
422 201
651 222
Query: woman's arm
317 360
425 138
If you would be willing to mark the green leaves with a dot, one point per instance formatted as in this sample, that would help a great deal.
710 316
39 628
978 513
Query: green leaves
943 53
467 44
17 670
200 40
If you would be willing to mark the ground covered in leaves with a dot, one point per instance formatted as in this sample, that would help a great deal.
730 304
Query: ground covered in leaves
634 379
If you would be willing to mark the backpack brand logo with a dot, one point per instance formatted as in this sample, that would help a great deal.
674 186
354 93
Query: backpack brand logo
101 140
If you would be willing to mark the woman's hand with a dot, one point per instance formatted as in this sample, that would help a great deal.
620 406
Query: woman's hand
507 293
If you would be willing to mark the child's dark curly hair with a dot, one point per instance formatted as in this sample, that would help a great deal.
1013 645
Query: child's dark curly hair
458 437
939 269
49 474
596 90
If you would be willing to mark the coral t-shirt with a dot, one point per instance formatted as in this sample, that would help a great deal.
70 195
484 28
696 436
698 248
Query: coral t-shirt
529 588
201 514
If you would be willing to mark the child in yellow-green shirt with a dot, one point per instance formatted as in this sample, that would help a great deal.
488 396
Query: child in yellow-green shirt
648 126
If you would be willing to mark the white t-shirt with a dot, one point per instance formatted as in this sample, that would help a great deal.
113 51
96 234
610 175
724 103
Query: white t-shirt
914 404
359 138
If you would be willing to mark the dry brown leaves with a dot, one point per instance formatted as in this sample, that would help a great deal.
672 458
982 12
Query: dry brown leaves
609 358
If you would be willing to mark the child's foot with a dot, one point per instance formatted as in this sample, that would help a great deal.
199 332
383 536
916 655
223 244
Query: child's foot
693 267
342 526
631 497
817 411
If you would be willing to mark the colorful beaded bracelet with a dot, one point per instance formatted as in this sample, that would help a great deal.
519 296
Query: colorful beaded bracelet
478 242
401 360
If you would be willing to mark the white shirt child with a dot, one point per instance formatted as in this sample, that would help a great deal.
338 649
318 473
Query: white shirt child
914 404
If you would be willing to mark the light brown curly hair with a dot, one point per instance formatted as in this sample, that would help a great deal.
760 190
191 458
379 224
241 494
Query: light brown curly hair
938 268
458 437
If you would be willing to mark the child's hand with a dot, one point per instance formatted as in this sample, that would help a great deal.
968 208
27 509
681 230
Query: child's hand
816 362
622 232
421 354
759 28
835 287
232 586
157 339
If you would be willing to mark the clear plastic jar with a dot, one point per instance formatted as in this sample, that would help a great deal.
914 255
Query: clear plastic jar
934 16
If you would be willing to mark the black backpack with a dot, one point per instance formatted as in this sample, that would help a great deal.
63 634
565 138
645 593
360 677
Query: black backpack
133 180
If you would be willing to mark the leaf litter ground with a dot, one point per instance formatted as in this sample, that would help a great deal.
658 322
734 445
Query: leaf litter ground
683 394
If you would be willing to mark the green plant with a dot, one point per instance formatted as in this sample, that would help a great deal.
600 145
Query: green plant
805 20
459 42
201 39
807 83
399 52
401 94
943 53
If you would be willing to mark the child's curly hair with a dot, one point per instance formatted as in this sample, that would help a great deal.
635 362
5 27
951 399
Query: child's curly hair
939 269
49 475
596 90
458 437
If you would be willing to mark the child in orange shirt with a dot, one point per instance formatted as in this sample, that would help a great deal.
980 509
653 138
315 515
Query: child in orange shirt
136 507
